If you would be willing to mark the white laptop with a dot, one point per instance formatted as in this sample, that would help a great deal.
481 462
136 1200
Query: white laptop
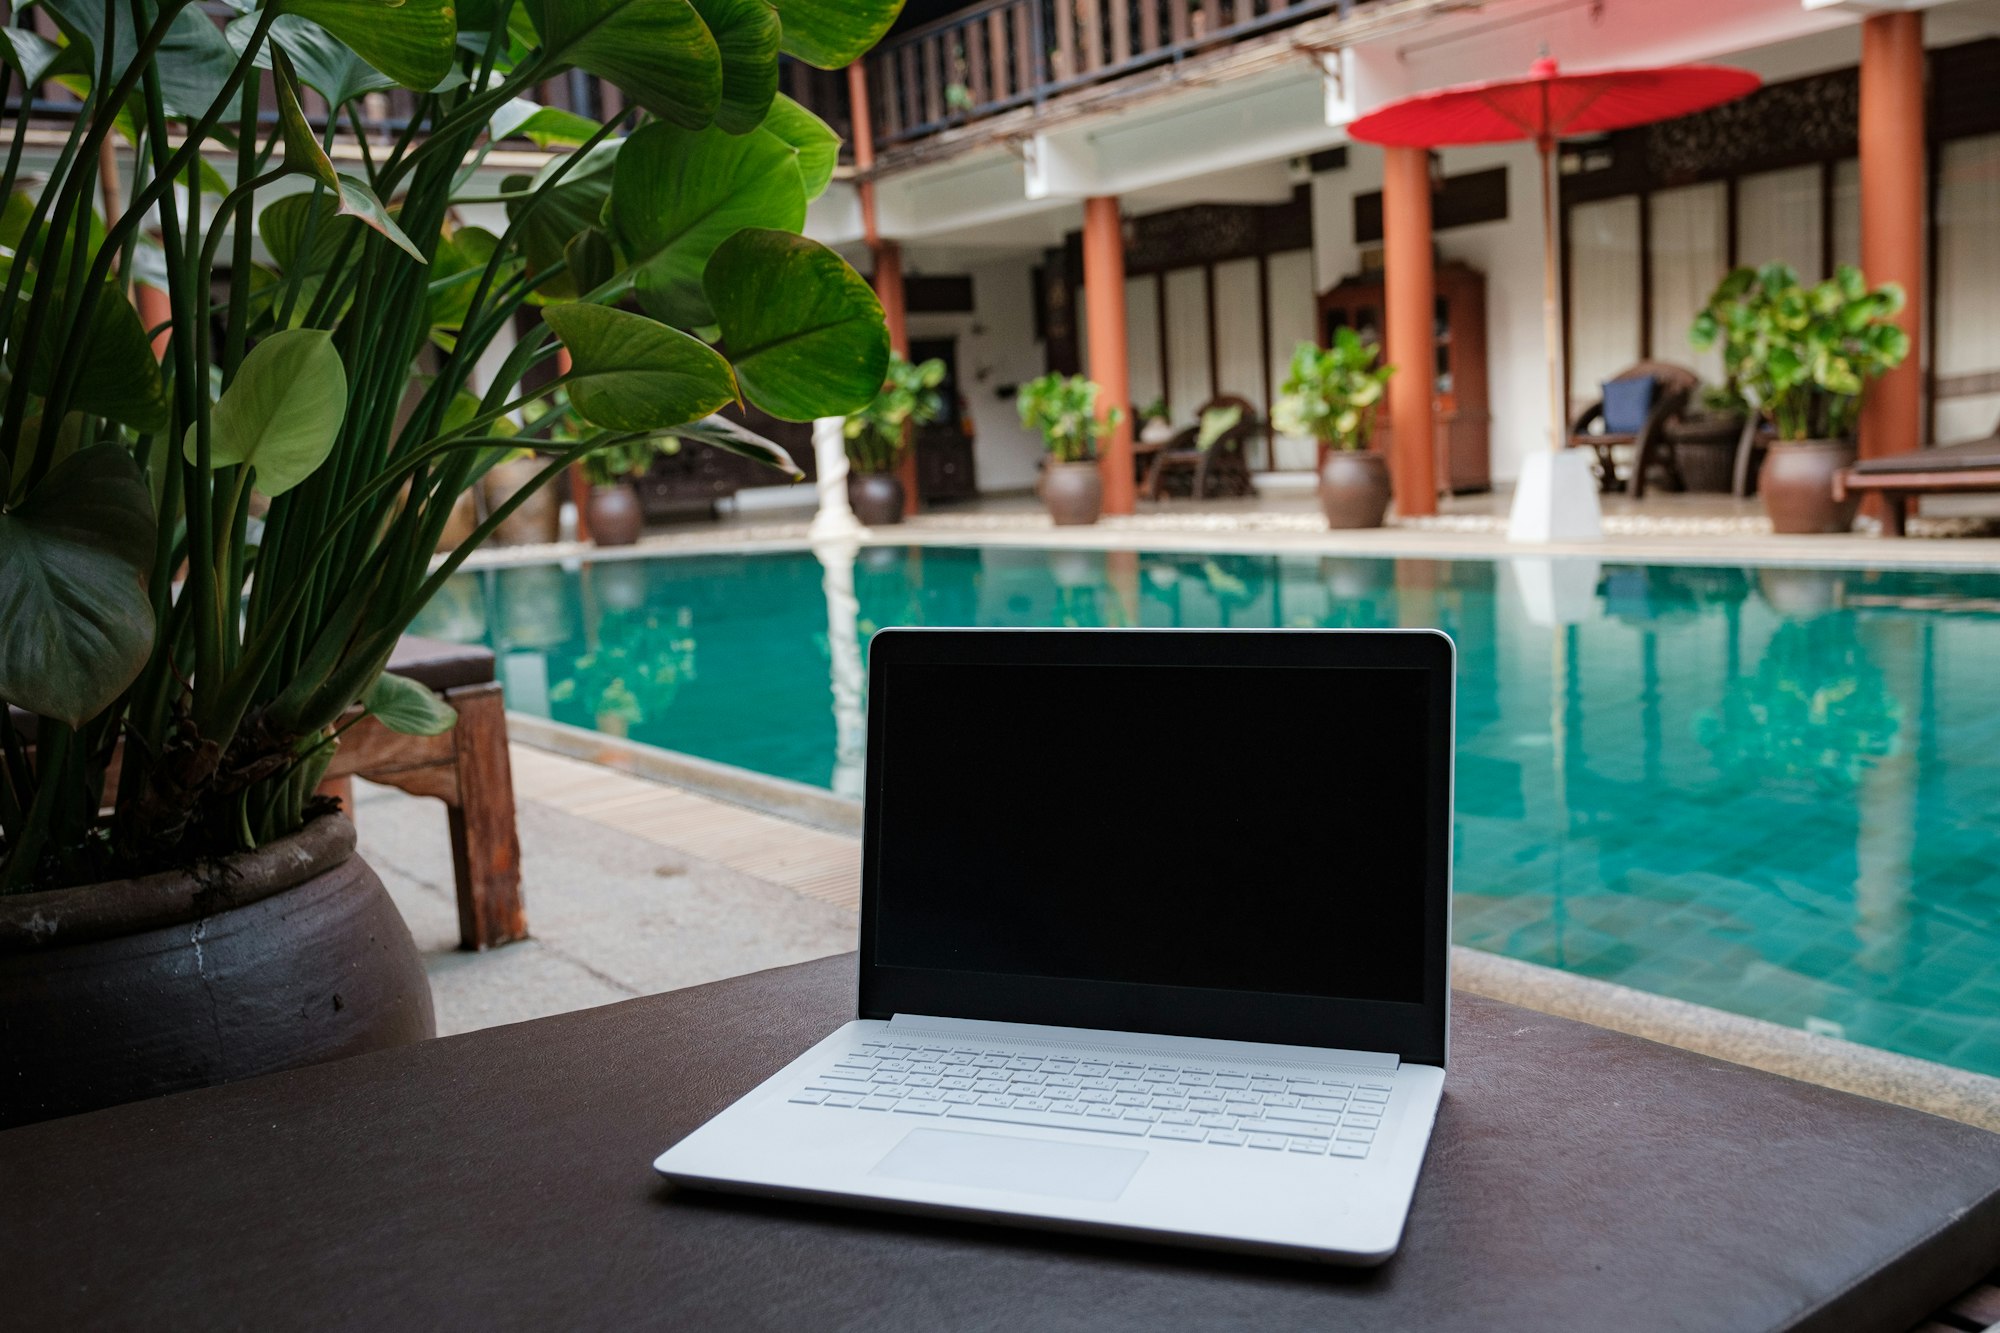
1154 941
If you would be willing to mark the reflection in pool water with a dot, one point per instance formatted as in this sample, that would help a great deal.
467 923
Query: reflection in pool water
1776 791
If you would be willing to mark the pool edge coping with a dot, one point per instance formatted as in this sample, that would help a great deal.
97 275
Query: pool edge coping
1905 1080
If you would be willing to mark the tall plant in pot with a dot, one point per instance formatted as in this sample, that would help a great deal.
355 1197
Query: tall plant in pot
177 907
1062 409
1803 358
611 511
1331 394
878 434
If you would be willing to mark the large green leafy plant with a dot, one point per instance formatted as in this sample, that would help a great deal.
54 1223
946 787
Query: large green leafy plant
205 559
1803 356
909 397
1062 409
1331 394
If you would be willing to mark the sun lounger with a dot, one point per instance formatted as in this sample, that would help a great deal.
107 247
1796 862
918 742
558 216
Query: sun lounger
1954 469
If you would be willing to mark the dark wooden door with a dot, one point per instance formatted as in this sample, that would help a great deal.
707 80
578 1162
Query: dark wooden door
944 447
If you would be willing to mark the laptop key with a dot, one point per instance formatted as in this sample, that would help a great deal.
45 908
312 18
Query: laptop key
1274 1141
1370 1095
1323 1103
1302 1116
1226 1138
1339 1149
1181 1133
809 1098
843 1099
921 1108
878 1104
1317 1146
1179 1118
1356 1135
1046 1120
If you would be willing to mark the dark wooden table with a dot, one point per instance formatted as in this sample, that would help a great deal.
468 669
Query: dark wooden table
1578 1179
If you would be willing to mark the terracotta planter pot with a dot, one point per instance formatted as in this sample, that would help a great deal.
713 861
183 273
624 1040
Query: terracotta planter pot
614 515
539 519
1354 488
1074 493
1796 482
875 497
287 956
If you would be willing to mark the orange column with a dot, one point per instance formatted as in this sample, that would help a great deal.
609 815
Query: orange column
155 312
1892 213
1104 285
888 257
1411 335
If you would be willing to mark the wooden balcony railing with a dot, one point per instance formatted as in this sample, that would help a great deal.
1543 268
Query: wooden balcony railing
1000 54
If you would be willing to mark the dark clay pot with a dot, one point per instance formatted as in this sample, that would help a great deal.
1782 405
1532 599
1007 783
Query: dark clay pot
287 956
614 516
1797 485
875 497
1354 488
1074 493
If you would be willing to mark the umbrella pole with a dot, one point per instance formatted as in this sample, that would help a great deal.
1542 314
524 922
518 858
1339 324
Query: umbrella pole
1551 324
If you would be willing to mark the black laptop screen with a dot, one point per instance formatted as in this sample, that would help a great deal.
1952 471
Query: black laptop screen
1243 828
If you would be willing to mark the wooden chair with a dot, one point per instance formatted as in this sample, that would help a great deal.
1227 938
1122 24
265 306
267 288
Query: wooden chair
1673 387
1952 469
1225 461
467 768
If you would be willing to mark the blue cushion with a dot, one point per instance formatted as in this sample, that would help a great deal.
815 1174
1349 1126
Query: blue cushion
1627 404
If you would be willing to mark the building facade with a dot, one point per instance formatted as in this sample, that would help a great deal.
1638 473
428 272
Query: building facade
1166 184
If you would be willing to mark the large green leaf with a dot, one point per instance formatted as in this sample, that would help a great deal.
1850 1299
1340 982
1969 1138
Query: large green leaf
75 557
194 62
804 331
834 33
284 226
818 146
304 154
680 193
658 51
119 376
324 63
541 125
408 707
573 205
746 35
283 410
36 57
629 373
411 41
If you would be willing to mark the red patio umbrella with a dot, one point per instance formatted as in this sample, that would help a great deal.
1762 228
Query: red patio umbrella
1544 107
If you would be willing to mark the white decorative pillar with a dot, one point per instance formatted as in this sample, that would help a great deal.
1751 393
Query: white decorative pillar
843 639
835 520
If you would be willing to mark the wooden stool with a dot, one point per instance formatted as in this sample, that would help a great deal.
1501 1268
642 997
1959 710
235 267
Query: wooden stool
466 768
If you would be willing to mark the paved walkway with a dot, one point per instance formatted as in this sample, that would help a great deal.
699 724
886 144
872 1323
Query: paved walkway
635 886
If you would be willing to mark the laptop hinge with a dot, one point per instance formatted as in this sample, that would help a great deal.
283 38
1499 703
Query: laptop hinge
1141 1044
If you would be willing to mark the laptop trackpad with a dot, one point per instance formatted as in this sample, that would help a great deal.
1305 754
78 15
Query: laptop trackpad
1032 1166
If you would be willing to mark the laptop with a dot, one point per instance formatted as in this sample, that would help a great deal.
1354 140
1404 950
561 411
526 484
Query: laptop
1154 943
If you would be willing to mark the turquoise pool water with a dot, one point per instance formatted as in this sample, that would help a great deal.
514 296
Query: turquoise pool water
1775 791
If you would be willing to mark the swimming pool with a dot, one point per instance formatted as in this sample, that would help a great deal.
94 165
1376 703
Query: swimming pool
1774 791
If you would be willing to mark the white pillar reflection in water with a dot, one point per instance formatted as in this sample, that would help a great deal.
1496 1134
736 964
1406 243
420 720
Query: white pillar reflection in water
843 641
835 521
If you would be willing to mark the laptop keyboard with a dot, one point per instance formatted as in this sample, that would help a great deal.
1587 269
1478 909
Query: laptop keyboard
1318 1115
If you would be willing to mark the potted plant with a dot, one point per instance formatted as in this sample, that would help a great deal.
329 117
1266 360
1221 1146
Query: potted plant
879 432
611 509
1063 410
177 906
1802 357
1331 395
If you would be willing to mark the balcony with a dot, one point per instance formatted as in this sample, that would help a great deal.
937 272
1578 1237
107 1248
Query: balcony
996 56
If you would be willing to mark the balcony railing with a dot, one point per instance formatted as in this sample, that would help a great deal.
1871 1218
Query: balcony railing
1001 54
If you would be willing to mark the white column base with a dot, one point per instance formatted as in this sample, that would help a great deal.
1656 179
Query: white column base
1556 500
835 521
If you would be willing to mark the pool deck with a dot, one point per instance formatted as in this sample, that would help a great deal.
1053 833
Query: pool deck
1692 529
645 872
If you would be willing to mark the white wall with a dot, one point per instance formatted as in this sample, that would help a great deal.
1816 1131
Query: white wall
1509 253
996 348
